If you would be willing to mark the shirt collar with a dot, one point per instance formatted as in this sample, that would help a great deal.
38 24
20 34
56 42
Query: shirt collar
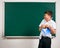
48 21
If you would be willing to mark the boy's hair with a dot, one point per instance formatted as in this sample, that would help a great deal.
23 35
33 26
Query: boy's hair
48 12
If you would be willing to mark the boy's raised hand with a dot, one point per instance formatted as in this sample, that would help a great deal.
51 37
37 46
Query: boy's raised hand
43 26
47 26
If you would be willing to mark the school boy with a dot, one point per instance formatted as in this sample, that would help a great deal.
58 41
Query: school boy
47 28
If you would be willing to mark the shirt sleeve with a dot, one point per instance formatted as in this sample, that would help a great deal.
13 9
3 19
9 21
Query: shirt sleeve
41 22
54 25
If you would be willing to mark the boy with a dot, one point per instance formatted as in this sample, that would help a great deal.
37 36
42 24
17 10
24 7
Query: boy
47 28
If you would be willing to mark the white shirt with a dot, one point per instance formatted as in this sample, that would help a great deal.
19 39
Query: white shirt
44 32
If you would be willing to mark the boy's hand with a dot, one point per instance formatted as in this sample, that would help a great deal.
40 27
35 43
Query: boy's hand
43 26
47 26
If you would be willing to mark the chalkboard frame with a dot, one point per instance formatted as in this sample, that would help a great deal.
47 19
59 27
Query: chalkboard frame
22 37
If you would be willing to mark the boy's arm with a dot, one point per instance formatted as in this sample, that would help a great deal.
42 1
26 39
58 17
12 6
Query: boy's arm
42 26
53 30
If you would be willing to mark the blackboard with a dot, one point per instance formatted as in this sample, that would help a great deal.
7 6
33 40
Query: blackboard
23 18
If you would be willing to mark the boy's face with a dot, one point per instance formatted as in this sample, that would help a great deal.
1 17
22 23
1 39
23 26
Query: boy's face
47 17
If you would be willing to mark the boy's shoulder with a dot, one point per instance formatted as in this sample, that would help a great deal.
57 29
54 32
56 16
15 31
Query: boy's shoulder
43 20
53 21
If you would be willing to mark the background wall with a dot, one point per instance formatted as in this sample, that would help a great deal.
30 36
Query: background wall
27 43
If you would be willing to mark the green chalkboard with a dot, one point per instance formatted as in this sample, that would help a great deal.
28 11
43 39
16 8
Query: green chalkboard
23 18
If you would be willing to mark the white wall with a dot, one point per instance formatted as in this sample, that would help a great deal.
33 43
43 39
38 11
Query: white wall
28 43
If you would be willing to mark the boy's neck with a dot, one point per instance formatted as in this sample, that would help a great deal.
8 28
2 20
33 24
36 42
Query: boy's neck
48 20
